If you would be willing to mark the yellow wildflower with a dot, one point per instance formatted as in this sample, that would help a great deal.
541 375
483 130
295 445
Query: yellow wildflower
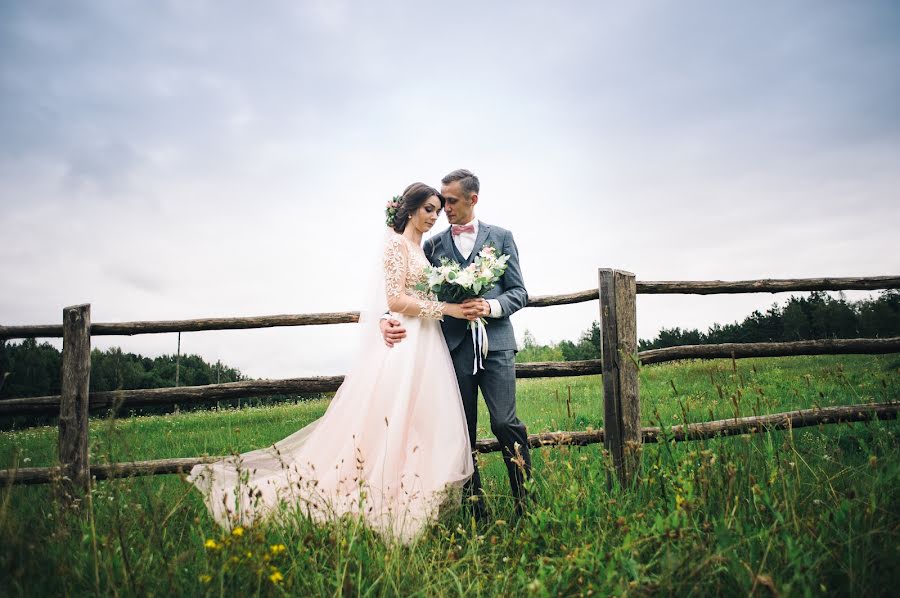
205 578
238 531
211 544
277 548
276 577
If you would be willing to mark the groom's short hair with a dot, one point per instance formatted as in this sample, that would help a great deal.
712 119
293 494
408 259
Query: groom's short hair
467 180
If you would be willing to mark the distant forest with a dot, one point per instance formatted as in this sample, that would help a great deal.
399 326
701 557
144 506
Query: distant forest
31 369
802 318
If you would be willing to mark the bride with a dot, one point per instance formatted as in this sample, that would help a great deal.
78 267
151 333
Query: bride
392 446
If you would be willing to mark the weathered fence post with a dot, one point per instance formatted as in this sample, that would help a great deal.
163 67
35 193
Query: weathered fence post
621 403
73 403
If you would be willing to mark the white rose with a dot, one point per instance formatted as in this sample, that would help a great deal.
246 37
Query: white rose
466 278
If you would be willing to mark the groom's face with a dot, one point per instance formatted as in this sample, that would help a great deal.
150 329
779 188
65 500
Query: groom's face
459 205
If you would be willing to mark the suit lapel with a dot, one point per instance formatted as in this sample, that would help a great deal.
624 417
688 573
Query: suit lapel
483 230
447 245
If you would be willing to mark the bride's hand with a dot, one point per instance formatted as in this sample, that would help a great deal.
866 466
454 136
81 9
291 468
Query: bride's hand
458 311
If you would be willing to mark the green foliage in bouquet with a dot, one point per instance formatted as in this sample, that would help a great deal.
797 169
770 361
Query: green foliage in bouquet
452 283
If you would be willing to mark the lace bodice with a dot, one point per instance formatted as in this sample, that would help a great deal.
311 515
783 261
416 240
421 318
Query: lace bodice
404 268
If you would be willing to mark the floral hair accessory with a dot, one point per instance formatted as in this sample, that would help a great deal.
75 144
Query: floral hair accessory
390 211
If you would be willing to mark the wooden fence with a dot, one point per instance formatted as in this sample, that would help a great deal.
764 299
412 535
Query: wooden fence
622 434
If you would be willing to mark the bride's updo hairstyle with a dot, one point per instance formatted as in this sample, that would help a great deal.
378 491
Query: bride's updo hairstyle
412 199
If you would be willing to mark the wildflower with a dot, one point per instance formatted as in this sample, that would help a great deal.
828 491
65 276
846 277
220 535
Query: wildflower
205 578
276 577
238 531
277 548
211 544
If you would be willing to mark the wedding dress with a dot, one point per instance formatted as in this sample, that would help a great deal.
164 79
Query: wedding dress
392 446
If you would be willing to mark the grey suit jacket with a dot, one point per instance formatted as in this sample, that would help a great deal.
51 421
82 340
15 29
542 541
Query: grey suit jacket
509 291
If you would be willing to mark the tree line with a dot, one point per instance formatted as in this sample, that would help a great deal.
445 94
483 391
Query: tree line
30 369
820 315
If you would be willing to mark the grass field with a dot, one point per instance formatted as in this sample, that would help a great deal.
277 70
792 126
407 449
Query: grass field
812 511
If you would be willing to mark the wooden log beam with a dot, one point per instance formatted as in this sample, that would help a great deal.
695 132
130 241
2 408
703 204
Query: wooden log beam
800 418
149 397
253 388
579 297
581 438
767 285
196 325
155 467
709 287
558 369
44 475
698 431
857 346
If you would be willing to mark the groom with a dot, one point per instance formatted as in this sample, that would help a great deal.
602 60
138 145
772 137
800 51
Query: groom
497 381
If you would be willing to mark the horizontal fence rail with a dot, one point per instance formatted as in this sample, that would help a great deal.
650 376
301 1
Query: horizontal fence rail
832 346
707 287
766 285
198 325
712 287
152 397
697 431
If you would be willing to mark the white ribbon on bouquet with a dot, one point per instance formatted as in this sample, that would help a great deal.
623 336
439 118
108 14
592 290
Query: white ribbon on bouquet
479 343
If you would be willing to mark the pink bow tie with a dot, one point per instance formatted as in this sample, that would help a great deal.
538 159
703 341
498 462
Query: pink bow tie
458 229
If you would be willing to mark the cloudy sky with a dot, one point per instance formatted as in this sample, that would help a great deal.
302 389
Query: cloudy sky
169 160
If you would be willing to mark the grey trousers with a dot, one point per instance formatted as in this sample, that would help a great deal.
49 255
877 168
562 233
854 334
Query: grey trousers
497 382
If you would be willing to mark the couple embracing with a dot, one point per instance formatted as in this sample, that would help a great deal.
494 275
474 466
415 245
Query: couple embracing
396 442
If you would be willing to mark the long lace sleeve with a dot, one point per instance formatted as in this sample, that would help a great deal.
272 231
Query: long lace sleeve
400 299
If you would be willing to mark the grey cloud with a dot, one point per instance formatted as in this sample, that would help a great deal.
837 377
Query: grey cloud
138 276
105 168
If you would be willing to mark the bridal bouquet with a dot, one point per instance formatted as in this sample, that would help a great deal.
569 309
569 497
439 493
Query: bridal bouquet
452 283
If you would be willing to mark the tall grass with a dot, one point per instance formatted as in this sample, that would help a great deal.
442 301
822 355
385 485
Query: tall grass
808 511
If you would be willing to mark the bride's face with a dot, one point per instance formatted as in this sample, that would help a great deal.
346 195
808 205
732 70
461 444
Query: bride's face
427 214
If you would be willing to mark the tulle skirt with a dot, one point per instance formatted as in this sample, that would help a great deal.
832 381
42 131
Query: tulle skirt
392 448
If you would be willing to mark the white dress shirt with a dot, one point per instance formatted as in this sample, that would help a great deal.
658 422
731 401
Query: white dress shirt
465 243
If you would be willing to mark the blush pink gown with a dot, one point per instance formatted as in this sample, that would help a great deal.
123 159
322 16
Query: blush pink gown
392 447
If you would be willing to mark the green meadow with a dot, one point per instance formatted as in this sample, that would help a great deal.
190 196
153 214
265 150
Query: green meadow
808 511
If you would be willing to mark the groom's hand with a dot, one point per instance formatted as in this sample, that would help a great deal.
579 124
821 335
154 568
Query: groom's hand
392 331
476 308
